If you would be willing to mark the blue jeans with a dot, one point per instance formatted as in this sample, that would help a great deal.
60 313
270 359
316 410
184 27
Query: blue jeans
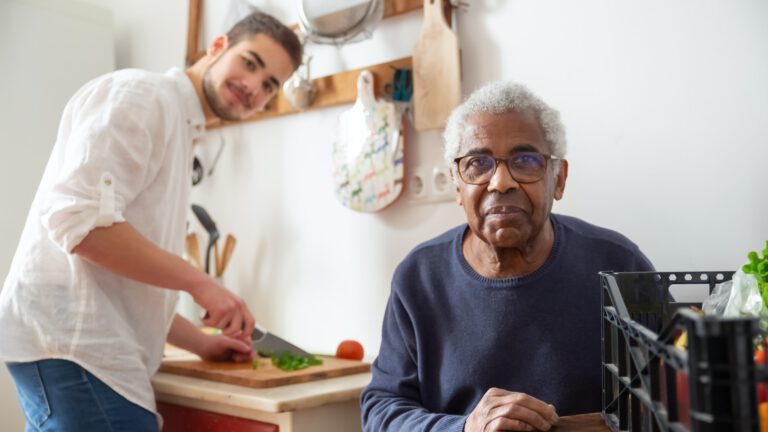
59 395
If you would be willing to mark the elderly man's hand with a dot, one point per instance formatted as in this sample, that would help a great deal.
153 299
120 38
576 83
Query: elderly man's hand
502 410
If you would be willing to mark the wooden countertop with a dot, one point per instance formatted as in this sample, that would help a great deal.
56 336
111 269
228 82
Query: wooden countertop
274 399
171 387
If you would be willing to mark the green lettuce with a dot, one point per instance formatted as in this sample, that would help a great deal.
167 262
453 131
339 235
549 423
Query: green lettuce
758 267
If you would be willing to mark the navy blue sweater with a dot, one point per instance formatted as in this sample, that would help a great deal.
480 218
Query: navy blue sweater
450 334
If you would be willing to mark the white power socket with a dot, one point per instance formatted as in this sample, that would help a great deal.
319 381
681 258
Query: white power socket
434 185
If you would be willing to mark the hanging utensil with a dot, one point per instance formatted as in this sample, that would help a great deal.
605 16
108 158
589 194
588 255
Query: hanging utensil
193 249
368 153
226 255
299 89
325 22
436 70
213 232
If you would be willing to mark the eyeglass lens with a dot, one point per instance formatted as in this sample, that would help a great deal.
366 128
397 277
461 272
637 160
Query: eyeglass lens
525 167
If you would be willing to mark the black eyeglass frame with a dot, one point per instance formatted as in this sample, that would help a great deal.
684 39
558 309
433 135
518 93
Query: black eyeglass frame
547 158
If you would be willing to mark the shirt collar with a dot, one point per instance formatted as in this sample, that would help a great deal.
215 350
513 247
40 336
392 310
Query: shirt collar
193 112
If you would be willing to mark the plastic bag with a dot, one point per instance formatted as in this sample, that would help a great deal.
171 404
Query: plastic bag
738 297
718 299
745 298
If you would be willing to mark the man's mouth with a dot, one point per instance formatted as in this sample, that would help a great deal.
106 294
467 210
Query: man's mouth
239 95
504 210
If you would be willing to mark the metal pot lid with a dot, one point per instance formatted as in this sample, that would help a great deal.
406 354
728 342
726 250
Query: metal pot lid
343 21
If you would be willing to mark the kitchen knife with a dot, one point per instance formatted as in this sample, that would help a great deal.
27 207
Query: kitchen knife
269 343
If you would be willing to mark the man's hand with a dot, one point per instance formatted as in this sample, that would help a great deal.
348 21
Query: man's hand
224 310
185 335
502 410
225 348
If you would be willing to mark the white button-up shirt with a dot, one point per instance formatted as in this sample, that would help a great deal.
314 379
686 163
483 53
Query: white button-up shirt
123 154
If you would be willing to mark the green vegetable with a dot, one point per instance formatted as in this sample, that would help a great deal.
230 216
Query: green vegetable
255 363
758 267
289 362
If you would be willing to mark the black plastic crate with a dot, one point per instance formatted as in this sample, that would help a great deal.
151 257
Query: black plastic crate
645 377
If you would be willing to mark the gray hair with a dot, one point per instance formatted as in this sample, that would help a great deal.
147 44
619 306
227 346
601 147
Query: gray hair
497 98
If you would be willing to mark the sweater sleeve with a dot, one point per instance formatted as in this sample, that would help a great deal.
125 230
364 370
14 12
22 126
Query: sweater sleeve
392 401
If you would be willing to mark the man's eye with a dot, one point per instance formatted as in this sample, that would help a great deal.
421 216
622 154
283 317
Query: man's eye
250 65
268 87
528 159
480 163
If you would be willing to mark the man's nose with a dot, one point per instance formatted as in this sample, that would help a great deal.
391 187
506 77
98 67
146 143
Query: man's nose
502 179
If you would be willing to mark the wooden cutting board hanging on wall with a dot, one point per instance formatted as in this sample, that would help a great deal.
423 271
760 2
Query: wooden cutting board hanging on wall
436 70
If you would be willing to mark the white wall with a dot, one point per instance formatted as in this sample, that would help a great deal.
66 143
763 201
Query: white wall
662 103
50 48
663 106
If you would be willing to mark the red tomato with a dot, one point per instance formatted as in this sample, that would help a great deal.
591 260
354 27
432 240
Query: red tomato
760 356
350 349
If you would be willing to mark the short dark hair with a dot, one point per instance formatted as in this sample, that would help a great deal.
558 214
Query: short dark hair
261 23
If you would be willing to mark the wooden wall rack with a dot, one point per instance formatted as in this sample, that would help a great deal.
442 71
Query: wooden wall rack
336 89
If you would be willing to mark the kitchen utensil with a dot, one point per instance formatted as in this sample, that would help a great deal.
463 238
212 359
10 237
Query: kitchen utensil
299 89
266 342
193 249
368 153
436 70
213 233
266 374
216 259
336 23
226 255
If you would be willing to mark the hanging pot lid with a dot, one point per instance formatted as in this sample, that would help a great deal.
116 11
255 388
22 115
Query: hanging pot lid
339 22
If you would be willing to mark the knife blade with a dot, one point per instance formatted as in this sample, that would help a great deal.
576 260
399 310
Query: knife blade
269 343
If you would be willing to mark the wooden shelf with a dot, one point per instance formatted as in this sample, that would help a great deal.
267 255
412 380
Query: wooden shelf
332 90
391 8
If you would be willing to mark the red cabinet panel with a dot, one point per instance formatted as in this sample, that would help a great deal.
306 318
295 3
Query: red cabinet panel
184 419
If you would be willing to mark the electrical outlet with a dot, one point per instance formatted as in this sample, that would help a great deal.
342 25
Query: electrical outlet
417 185
442 185
427 186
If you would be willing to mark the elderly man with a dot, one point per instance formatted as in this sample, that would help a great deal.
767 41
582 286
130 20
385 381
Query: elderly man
495 325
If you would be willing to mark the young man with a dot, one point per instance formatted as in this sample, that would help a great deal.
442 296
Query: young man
92 290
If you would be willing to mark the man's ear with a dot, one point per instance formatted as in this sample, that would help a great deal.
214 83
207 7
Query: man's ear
560 178
218 46
456 183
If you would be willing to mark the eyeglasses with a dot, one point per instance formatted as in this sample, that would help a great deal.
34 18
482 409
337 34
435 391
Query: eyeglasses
524 167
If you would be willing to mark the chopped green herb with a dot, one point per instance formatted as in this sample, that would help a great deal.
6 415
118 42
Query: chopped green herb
289 362
255 363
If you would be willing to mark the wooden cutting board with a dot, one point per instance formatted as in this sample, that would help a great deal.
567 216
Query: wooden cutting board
436 70
266 375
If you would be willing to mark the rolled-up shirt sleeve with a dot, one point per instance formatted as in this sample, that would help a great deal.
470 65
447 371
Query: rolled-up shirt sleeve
106 160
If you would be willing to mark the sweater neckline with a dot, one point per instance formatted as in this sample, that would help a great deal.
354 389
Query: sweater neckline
514 280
